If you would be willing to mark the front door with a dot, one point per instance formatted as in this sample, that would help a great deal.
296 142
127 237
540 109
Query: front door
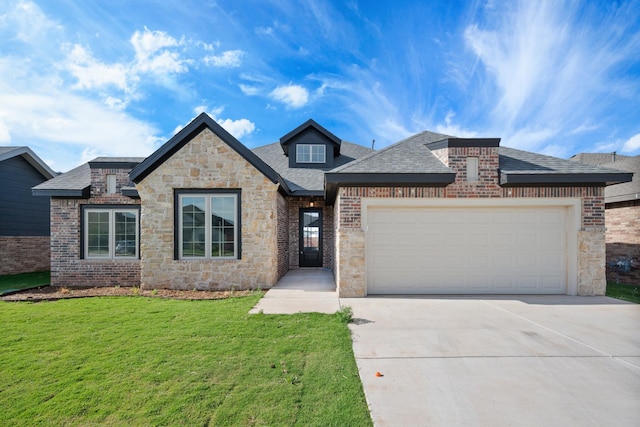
310 237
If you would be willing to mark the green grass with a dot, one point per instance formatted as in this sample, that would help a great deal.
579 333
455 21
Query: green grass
624 292
139 361
15 282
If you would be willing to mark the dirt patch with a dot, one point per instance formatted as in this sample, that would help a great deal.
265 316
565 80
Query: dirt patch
52 293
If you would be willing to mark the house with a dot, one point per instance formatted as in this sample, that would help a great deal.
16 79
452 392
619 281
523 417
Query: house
622 216
429 214
24 219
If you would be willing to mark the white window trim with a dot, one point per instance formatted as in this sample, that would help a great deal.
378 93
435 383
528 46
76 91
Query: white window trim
207 225
112 233
299 154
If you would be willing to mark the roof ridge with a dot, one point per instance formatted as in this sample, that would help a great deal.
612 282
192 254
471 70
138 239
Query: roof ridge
387 148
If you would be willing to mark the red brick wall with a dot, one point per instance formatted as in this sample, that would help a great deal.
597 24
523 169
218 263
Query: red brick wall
350 209
622 220
294 232
283 235
67 268
24 254
487 183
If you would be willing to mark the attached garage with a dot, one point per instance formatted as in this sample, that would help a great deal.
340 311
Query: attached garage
504 246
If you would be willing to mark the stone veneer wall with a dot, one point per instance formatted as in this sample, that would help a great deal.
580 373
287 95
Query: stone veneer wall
24 254
67 268
622 220
207 162
350 268
295 203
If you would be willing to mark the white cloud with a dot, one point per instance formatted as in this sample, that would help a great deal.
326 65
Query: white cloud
5 136
549 68
237 128
28 22
147 43
228 59
293 96
91 73
632 144
249 90
449 128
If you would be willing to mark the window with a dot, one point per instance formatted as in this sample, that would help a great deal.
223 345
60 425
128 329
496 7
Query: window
208 225
472 169
110 233
310 153
111 184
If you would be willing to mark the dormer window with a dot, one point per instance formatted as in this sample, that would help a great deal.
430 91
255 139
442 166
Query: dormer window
311 153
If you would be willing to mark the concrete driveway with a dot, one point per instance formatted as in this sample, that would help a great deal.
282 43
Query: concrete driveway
498 361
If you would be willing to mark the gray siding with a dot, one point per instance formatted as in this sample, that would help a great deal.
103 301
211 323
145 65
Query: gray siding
21 214
311 136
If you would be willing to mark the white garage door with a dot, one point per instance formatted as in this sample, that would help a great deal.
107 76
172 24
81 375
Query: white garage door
497 250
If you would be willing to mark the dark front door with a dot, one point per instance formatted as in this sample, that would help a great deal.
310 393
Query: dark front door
310 237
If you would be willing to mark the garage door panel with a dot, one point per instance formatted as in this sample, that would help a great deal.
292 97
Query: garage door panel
457 250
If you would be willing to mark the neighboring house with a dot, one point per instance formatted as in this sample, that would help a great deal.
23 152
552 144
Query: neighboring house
622 217
430 214
24 219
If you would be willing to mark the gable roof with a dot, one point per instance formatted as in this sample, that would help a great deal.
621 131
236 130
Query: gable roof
519 167
189 132
31 157
285 140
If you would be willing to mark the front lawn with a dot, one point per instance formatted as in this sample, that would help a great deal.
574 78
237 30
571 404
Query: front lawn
147 361
624 292
15 282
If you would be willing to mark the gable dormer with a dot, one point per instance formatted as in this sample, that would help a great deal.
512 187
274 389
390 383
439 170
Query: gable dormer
310 146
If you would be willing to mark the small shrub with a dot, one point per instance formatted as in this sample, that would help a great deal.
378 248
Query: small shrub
345 314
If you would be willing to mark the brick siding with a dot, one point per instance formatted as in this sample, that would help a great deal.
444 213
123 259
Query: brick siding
67 267
283 236
622 220
24 254
295 204
348 216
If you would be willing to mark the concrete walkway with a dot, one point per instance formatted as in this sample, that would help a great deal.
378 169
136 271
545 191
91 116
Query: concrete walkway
307 290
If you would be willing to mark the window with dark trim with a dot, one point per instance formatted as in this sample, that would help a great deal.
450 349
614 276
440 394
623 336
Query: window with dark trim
208 224
311 153
110 232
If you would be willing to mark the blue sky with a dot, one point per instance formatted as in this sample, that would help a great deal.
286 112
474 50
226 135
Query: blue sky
80 79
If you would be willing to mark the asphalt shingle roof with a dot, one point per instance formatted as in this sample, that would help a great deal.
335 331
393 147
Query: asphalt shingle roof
78 179
407 156
307 179
627 190
597 158
518 161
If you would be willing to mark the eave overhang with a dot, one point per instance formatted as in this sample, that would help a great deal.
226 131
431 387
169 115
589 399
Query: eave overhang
464 142
333 181
130 192
83 193
514 179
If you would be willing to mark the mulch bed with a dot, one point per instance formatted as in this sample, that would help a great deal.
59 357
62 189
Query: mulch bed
52 293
